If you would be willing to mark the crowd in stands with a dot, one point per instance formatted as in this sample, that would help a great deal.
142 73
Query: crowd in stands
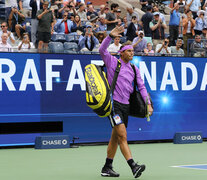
73 26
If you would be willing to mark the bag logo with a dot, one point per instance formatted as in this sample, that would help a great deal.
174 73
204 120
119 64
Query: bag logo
93 86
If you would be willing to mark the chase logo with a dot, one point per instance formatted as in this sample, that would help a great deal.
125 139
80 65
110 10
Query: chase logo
52 142
188 137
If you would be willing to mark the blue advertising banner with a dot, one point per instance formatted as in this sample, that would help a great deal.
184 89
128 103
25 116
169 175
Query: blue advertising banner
51 87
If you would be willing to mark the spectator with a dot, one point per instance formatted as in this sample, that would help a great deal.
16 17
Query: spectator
25 8
162 16
4 29
9 4
204 34
4 46
115 47
93 22
25 44
118 15
163 48
125 23
63 26
88 4
182 4
158 29
71 17
36 6
91 11
139 43
106 10
199 22
194 6
16 22
174 24
176 50
132 29
78 3
45 27
55 6
188 29
81 12
130 13
102 24
198 47
146 19
101 36
205 6
76 25
102 11
68 7
111 19
148 50
88 42
144 4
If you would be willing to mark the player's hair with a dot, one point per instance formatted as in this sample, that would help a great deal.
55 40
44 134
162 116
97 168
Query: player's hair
126 43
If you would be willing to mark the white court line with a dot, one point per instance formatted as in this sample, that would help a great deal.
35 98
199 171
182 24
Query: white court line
186 166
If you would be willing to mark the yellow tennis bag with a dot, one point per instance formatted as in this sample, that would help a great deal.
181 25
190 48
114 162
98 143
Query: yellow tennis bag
98 91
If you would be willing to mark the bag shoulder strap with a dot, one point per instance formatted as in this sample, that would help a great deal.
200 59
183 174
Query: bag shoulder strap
113 84
135 76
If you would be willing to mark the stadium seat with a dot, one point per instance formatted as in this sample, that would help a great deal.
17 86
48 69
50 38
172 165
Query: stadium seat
56 47
189 42
72 38
58 38
70 47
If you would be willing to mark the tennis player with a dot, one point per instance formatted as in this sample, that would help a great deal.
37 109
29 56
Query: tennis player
123 89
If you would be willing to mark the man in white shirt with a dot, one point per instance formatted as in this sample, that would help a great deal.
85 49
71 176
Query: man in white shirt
114 47
4 29
163 49
4 46
81 12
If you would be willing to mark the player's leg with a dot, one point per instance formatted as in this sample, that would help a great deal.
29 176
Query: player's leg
107 170
122 140
112 146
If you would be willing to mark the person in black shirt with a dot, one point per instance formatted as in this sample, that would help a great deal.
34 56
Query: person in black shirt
146 19
111 19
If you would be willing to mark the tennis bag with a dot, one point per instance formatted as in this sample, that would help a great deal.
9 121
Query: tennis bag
138 107
98 91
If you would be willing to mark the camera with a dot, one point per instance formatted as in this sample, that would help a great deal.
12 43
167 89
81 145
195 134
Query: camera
165 43
70 6
180 3
89 30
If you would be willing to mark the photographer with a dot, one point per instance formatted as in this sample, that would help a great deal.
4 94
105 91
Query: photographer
16 21
69 7
63 26
139 43
88 42
25 44
163 48
45 26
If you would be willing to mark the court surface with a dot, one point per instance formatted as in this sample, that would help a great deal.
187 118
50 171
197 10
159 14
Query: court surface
86 162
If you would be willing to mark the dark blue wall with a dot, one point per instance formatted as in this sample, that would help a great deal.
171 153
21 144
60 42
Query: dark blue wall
179 96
